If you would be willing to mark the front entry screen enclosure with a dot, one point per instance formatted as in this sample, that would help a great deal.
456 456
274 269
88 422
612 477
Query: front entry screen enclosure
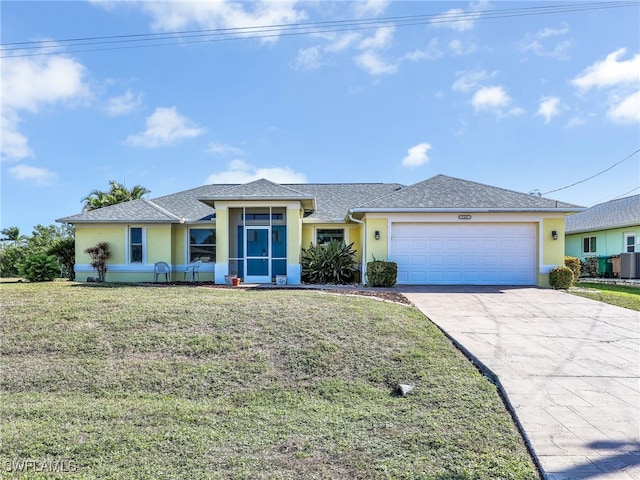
258 248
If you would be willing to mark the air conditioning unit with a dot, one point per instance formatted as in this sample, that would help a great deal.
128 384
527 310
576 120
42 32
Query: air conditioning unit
630 265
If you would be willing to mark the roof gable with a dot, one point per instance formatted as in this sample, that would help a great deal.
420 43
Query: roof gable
623 212
443 192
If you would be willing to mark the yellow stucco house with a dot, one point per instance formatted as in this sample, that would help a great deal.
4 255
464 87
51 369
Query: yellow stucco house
441 231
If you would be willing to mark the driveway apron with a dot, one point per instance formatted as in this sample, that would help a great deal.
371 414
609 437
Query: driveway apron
569 368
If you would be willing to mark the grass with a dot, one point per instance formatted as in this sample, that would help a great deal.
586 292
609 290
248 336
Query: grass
620 295
118 382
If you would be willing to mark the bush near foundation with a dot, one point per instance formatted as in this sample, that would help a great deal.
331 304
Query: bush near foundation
574 264
381 273
561 277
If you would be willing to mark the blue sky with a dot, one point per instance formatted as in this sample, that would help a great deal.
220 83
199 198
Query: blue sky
535 99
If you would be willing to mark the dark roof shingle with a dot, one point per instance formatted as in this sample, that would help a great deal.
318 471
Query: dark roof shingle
623 212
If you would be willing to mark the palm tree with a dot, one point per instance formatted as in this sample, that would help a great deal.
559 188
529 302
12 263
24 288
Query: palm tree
12 234
117 193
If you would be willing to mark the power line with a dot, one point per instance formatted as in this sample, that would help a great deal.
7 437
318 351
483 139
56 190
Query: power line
592 176
17 49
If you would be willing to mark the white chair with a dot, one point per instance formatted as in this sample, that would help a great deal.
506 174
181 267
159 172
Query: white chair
193 269
161 268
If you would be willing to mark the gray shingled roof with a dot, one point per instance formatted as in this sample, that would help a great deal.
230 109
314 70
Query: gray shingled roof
333 201
623 212
443 192
141 210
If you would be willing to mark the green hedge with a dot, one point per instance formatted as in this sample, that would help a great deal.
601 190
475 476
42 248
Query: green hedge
574 264
381 273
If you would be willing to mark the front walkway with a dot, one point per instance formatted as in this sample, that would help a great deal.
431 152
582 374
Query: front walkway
569 366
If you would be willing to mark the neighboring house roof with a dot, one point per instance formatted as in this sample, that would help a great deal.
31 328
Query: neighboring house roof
623 212
324 202
448 193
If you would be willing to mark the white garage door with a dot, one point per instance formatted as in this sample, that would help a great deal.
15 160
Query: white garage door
464 254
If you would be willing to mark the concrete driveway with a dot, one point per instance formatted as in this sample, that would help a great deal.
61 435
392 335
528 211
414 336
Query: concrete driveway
569 366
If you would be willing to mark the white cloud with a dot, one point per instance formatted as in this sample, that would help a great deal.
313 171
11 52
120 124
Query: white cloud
575 122
239 171
308 59
31 82
494 99
165 127
27 85
626 110
370 7
536 43
619 79
469 79
417 155
123 104
341 42
223 149
171 16
37 175
549 108
431 52
371 63
380 40
458 48
13 144
610 72
455 19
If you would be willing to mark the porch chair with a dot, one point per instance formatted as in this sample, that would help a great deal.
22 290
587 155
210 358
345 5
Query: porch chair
193 269
161 268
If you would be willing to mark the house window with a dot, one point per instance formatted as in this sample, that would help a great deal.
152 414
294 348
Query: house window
135 245
589 245
325 235
202 244
629 242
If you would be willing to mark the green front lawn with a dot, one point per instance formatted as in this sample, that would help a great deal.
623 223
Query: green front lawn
194 382
620 295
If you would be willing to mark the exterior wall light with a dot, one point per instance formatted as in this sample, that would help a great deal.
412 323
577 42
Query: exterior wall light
377 234
554 234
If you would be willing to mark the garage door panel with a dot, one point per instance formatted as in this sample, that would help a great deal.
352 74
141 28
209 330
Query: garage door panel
480 254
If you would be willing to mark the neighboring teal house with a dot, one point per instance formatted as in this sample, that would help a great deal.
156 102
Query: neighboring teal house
605 229
442 230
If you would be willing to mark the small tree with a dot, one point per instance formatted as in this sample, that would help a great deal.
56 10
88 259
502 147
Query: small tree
65 251
100 254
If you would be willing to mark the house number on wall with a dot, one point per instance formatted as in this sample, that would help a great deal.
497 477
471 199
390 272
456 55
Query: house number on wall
464 217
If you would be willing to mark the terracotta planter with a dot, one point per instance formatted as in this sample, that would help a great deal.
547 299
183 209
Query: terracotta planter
235 281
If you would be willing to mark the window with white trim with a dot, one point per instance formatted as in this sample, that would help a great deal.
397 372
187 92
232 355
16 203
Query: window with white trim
202 244
135 245
325 235
589 245
629 242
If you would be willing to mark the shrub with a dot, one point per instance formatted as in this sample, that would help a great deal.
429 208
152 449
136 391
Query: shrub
574 264
100 254
561 277
381 273
11 257
40 268
590 266
333 262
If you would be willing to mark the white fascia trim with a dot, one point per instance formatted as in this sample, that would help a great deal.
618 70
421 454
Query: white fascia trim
463 210
602 229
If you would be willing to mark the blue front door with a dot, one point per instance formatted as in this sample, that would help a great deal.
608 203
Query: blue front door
258 256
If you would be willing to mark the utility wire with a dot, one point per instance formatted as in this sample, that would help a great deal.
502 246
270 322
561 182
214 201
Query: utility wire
17 49
593 176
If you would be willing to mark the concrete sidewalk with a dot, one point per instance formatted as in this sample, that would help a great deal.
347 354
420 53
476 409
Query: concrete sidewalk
570 368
